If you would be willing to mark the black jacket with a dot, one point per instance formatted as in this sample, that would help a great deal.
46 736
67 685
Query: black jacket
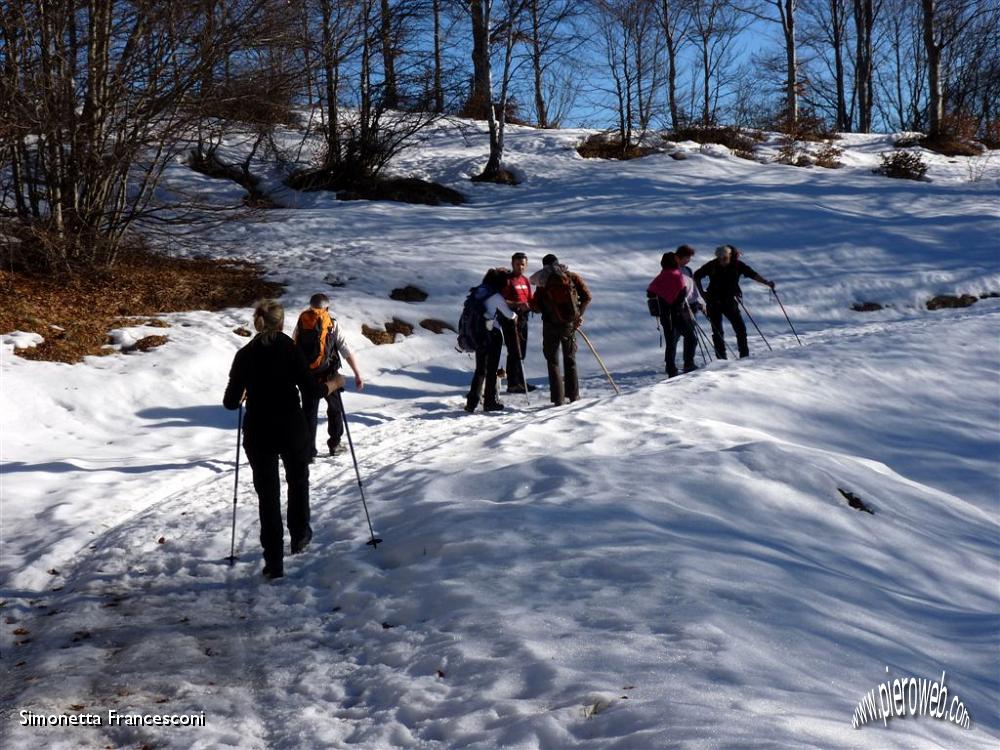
272 375
723 281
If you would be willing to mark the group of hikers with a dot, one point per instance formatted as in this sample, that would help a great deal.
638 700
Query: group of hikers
270 372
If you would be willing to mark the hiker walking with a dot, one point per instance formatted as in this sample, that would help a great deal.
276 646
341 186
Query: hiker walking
322 342
670 288
489 341
517 294
561 296
723 295
270 372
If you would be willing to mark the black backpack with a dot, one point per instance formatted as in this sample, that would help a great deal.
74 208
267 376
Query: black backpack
472 323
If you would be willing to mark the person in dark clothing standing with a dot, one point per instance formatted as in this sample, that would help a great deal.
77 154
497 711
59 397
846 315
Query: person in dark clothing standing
270 372
517 294
723 294
561 296
671 291
489 349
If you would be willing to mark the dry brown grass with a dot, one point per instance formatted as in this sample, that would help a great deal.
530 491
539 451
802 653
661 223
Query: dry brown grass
74 313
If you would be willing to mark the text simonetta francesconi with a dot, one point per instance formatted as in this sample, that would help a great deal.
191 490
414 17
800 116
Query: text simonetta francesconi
110 718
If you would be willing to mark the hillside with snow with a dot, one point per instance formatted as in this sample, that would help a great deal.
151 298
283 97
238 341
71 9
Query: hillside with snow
674 567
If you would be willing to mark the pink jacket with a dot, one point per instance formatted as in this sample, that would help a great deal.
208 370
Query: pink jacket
668 285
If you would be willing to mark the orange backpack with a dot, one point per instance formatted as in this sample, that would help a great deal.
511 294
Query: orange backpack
314 337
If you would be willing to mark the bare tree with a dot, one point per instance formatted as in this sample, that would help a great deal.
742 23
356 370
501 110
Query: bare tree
715 24
782 13
674 17
826 32
944 24
551 38
865 15
98 99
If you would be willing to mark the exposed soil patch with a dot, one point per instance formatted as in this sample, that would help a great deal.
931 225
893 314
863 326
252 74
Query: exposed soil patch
396 325
388 335
377 336
408 293
946 301
855 502
437 326
145 344
603 146
75 312
399 189
503 177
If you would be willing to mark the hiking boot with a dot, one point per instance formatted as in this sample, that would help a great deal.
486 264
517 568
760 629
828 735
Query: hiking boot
335 448
299 545
470 406
522 388
272 571
690 368
494 406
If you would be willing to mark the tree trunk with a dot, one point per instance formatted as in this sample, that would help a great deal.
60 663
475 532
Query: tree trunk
541 115
791 83
479 98
438 89
837 20
864 22
935 108
391 94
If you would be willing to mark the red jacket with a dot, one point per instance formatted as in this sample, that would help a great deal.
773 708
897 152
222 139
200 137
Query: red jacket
667 285
518 293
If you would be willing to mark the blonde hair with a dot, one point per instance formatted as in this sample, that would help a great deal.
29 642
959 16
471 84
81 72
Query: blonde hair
268 319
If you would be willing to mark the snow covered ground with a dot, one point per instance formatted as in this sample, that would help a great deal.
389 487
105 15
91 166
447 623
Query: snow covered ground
669 568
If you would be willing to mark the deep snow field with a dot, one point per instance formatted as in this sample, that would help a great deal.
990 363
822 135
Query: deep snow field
669 568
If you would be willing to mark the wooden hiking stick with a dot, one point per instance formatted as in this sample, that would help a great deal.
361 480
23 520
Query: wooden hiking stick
599 361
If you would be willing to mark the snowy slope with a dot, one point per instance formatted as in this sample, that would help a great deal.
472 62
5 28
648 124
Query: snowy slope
674 567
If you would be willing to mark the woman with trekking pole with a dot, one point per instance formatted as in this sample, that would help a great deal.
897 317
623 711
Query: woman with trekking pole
269 373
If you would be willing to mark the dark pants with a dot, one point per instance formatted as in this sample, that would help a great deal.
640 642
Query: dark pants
334 418
678 325
266 482
515 336
556 337
730 308
487 364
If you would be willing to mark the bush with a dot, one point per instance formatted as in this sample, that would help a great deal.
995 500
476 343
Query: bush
828 157
990 134
789 153
808 126
906 165
607 146
738 140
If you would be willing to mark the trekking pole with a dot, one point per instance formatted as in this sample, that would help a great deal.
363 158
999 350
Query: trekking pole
520 363
778 299
703 341
374 541
698 332
236 485
599 361
659 329
740 299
